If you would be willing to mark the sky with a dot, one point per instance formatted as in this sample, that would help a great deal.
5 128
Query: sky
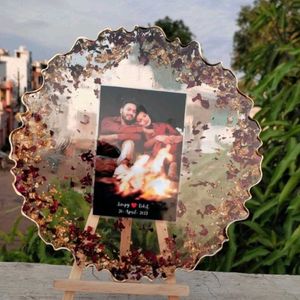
50 27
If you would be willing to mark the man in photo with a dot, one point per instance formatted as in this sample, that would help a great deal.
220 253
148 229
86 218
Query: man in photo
120 132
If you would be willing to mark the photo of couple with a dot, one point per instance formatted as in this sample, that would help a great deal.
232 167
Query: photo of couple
138 153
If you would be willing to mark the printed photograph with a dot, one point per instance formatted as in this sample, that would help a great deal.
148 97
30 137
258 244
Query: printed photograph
139 149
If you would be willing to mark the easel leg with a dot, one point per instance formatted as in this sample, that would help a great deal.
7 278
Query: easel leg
162 234
76 270
74 284
172 280
125 236
75 274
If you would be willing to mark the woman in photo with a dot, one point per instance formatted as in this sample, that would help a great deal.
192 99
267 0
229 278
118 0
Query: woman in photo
163 134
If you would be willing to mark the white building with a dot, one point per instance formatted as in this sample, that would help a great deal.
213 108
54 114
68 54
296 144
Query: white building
17 68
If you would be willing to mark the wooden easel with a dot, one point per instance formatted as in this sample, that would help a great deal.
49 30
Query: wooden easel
74 284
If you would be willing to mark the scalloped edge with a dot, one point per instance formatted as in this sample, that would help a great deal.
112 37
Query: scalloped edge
176 40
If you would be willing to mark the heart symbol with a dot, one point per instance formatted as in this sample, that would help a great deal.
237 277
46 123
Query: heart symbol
133 205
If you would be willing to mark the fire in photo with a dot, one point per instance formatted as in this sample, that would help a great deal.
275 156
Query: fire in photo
139 147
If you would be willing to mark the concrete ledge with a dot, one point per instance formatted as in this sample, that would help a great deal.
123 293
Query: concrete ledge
20 281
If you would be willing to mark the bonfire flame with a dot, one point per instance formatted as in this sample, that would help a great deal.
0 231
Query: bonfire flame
147 177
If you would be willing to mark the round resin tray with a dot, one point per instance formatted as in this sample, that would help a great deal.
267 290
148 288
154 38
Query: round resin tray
144 135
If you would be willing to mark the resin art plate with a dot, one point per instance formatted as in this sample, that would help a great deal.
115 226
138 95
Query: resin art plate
131 126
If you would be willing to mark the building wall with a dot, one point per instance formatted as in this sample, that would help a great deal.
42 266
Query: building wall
7 104
18 68
15 79
36 75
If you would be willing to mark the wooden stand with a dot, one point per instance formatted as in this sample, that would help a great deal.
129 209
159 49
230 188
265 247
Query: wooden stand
74 284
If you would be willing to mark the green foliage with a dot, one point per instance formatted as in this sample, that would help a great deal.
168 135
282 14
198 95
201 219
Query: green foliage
144 236
174 29
29 247
267 52
110 236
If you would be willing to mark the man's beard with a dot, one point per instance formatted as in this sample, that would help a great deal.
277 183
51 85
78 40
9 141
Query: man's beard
128 122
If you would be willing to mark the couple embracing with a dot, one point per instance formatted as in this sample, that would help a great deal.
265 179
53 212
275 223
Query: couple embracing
134 131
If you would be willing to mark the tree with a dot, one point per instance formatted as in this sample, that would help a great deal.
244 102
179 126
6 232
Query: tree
267 52
175 29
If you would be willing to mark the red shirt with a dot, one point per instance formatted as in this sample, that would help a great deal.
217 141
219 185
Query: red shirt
113 125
